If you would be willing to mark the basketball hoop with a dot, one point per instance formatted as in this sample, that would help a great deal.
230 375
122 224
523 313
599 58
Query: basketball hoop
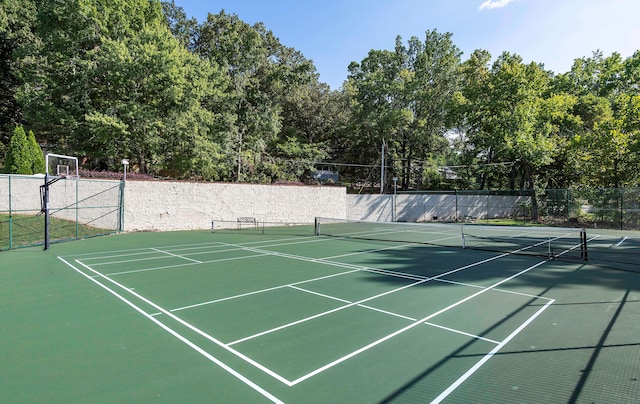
58 165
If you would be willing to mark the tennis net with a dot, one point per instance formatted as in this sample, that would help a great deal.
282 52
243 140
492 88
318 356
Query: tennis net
547 242
614 249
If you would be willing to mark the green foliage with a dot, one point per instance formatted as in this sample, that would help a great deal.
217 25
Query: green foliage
19 157
36 155
24 155
224 100
149 106
57 90
17 18
402 98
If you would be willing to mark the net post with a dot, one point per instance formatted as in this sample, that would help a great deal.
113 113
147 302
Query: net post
464 245
583 245
316 226
213 226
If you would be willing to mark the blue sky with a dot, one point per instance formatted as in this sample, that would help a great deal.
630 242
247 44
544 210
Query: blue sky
334 33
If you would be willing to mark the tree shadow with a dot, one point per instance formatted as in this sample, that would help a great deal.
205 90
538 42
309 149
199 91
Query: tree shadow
554 279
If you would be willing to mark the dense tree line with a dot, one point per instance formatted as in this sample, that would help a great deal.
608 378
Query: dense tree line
226 101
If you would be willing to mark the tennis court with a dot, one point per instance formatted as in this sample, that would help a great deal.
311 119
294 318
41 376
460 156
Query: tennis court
336 312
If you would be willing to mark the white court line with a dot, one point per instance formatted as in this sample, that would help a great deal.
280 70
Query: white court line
177 256
398 315
363 300
353 268
191 327
97 264
216 244
181 338
235 248
461 332
488 356
345 265
511 292
364 306
131 251
622 241
311 292
260 291
179 248
415 324
182 265
291 383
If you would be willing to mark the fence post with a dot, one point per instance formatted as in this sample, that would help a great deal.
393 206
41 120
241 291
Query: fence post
568 206
77 210
10 218
121 203
457 216
621 208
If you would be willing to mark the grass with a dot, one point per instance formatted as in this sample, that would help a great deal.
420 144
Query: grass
28 230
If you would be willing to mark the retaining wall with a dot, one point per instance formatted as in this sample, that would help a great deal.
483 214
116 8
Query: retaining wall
173 205
154 205
432 207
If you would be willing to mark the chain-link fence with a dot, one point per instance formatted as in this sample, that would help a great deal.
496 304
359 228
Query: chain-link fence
78 209
611 208
463 206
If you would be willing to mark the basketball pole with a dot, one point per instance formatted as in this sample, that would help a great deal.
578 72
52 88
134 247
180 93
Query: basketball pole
44 192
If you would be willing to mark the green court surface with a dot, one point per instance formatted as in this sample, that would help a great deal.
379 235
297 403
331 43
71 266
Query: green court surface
286 316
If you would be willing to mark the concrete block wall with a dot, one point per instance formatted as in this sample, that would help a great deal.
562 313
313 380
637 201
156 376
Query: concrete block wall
176 205
377 208
20 193
424 208
151 205
168 205
447 207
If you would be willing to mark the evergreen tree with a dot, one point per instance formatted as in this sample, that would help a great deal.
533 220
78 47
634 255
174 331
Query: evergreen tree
18 159
37 157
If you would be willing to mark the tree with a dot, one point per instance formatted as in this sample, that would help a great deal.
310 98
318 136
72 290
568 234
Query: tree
606 131
185 30
501 111
148 104
36 155
402 98
241 50
271 88
19 158
17 18
469 116
609 153
57 87
595 75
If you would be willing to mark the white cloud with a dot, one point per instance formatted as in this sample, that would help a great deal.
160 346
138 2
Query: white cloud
491 4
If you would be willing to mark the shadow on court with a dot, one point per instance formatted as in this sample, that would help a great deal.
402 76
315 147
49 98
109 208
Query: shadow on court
585 348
